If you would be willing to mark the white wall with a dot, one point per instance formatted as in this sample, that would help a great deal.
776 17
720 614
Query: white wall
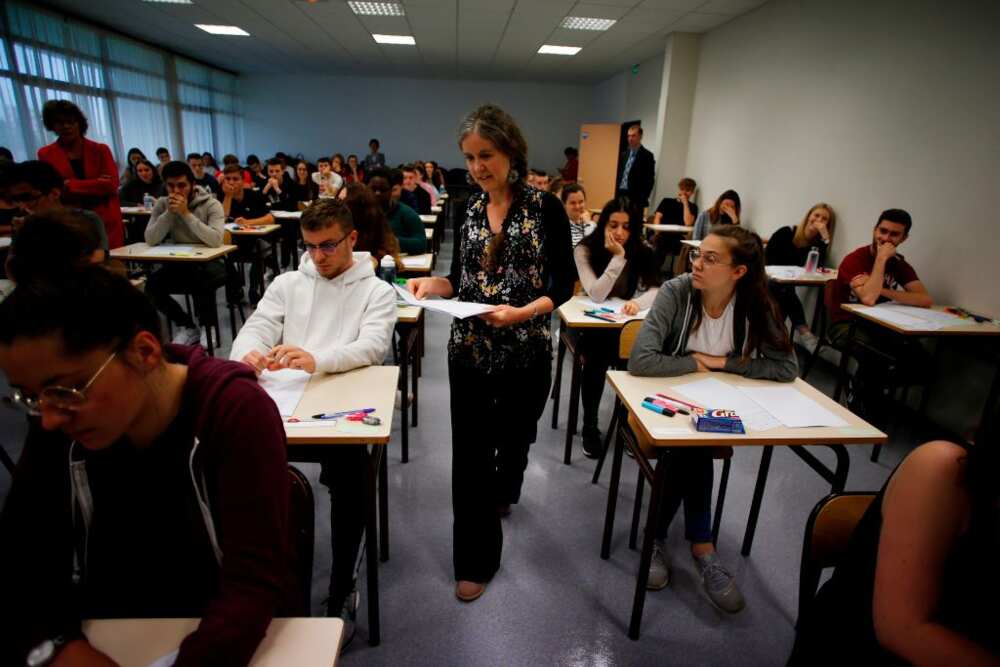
866 105
413 118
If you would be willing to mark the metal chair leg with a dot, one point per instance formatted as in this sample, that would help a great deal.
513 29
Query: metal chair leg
721 500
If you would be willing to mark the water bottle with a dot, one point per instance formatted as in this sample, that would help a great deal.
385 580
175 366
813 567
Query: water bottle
388 267
148 202
812 261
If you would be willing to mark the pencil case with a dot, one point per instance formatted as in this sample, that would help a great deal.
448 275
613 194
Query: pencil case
717 421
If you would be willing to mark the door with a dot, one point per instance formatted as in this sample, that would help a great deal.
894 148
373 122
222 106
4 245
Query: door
599 161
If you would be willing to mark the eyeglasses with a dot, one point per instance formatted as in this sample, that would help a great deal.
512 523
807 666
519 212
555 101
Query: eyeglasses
327 247
67 399
710 259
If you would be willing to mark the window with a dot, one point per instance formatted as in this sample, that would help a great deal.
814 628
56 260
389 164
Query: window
133 95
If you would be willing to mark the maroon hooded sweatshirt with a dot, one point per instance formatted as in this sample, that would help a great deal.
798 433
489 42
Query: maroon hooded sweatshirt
149 553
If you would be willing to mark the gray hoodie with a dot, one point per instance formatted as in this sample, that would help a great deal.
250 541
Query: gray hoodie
204 223
660 348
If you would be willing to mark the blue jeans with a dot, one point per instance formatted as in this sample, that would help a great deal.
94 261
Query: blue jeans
689 478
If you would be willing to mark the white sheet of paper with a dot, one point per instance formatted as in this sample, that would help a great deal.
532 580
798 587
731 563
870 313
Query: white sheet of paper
414 262
716 394
5 241
791 407
786 272
285 387
170 251
165 661
910 317
453 307
615 304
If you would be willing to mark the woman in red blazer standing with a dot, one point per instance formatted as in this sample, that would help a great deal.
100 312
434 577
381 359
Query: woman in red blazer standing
90 176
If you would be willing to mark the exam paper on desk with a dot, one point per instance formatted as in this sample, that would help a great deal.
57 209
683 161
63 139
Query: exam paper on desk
911 317
170 251
615 304
285 387
453 307
791 407
716 394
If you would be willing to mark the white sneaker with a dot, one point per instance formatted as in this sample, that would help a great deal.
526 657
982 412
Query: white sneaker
659 567
187 336
808 340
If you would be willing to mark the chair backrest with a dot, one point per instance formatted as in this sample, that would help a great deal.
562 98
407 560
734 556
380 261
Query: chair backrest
828 532
301 517
578 289
681 261
627 338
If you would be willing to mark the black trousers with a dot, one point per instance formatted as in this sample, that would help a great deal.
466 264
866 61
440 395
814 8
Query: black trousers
289 242
199 280
494 420
599 349
344 474
789 303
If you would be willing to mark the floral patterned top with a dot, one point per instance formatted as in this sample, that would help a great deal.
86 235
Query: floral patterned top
535 261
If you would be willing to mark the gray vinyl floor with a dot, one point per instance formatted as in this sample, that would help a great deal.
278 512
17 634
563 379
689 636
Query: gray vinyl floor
554 601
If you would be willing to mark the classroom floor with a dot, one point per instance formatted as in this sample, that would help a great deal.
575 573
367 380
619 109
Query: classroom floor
554 601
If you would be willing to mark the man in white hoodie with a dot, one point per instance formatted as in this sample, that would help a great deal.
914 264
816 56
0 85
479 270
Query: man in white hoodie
329 316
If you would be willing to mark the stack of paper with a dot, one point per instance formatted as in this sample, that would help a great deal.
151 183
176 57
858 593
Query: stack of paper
785 272
285 387
911 317
453 307
716 394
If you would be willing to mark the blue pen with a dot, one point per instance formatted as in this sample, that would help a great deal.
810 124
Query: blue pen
336 415
606 310
657 409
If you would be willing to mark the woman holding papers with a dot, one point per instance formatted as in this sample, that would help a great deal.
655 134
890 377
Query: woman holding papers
613 263
139 490
790 246
513 252
719 317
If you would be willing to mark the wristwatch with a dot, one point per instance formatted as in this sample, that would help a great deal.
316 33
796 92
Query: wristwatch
45 653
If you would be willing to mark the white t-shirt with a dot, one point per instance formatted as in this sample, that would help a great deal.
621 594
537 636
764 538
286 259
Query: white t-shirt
332 177
714 336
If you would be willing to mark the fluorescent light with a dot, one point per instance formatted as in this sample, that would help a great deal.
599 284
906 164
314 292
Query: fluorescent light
222 29
395 39
551 49
586 23
376 8
172 2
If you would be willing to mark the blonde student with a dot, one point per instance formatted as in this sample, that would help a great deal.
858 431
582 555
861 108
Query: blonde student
718 318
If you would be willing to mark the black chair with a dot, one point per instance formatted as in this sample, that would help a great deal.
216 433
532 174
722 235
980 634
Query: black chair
301 515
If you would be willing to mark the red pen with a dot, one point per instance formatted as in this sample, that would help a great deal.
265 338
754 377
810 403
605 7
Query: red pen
677 400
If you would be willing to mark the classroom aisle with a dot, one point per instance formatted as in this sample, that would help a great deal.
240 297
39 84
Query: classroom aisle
555 602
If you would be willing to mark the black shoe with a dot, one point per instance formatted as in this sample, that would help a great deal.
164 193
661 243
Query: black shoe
592 444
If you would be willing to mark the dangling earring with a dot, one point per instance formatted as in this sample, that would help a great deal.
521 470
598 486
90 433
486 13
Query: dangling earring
513 176
469 178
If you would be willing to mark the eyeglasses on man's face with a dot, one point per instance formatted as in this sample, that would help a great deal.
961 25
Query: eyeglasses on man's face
327 247
66 399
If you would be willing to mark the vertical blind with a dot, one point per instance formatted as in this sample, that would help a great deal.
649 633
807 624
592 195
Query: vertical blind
133 94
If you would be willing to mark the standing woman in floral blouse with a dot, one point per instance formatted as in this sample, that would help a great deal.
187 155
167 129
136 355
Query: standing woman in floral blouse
513 251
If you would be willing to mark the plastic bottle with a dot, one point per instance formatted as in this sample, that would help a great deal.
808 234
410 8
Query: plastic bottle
812 261
148 202
388 267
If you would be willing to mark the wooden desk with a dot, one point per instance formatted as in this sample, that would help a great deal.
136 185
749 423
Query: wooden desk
369 387
571 317
428 219
666 432
135 211
250 251
137 642
435 209
416 265
410 327
286 215
258 230
691 242
669 229
802 279
986 332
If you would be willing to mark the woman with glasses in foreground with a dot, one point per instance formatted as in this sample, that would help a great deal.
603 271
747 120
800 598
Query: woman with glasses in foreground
137 494
719 317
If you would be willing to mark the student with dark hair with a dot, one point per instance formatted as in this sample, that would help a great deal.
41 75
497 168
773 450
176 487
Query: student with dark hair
163 155
374 234
876 273
918 582
131 159
147 181
55 242
613 262
570 171
353 172
211 166
229 159
434 175
138 489
539 179
513 251
387 185
353 328
89 172
328 182
790 246
725 211
257 175
6 155
337 165
679 210
241 204
421 173
374 159
304 188
186 215
719 317
201 177
35 187
277 190
574 199
412 194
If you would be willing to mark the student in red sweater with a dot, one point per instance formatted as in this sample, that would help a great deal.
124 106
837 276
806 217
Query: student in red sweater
153 482
87 167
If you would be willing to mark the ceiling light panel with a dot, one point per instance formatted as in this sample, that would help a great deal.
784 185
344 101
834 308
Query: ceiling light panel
395 39
586 23
376 8
222 29
172 2
553 50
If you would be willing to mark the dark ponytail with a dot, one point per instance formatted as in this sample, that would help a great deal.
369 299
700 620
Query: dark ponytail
88 308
